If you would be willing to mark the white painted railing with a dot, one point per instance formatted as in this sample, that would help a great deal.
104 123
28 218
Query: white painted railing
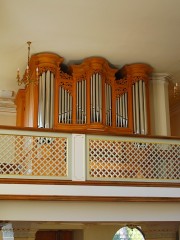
133 159
80 157
30 154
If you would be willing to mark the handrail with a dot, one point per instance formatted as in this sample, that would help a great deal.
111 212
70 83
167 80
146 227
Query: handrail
89 132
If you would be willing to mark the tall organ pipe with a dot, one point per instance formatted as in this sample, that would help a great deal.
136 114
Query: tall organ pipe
134 108
52 102
46 100
81 102
41 109
100 98
145 109
139 107
60 107
96 98
126 109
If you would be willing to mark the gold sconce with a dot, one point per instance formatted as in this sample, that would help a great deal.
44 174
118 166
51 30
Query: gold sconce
26 77
177 90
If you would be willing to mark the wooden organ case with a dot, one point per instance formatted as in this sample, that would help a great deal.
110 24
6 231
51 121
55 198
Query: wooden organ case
89 97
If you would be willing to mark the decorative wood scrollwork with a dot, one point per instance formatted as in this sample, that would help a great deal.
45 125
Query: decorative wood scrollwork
89 96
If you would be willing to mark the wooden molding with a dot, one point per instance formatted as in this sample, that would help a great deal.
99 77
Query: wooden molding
89 198
89 183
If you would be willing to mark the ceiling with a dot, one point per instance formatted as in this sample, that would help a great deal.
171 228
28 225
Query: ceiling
122 31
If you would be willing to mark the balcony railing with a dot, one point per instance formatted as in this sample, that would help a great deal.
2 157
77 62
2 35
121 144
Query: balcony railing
26 154
133 159
61 156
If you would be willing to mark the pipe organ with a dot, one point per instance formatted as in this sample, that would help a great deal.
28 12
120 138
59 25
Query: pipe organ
91 96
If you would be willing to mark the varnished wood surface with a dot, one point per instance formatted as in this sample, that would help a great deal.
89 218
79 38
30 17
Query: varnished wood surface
89 198
89 183
54 235
90 131
126 77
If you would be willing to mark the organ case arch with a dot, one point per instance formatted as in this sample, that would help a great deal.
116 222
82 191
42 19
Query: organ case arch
91 96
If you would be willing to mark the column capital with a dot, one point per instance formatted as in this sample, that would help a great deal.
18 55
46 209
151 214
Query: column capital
25 230
165 77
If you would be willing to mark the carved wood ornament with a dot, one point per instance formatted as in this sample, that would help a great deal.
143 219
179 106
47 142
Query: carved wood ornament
91 96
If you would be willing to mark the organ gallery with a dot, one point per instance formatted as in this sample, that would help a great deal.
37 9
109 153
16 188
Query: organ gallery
88 97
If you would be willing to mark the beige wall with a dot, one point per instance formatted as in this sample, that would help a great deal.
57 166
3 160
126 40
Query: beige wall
7 119
100 232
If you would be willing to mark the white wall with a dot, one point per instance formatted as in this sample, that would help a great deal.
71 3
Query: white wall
88 211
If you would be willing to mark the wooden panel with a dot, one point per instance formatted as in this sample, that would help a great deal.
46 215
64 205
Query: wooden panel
46 235
54 235
65 235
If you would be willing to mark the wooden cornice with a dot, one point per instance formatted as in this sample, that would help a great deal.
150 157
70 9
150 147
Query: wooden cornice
88 198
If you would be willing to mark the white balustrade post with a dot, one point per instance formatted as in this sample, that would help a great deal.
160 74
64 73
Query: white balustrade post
78 157
159 104
7 232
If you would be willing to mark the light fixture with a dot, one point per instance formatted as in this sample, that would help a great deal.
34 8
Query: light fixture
26 77
177 90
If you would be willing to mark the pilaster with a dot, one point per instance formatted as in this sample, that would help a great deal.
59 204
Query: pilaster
159 104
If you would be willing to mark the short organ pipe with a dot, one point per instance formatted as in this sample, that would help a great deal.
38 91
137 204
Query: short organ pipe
65 106
96 98
122 111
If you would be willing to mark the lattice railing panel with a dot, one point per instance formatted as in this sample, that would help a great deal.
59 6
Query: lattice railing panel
33 156
109 159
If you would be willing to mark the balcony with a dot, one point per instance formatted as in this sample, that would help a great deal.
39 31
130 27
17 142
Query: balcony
57 166
45 155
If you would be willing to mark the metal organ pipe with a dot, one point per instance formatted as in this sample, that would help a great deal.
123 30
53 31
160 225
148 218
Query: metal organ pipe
81 102
46 100
83 115
126 109
122 111
96 98
100 98
52 101
139 108
40 107
65 106
134 108
93 97
145 108
108 97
